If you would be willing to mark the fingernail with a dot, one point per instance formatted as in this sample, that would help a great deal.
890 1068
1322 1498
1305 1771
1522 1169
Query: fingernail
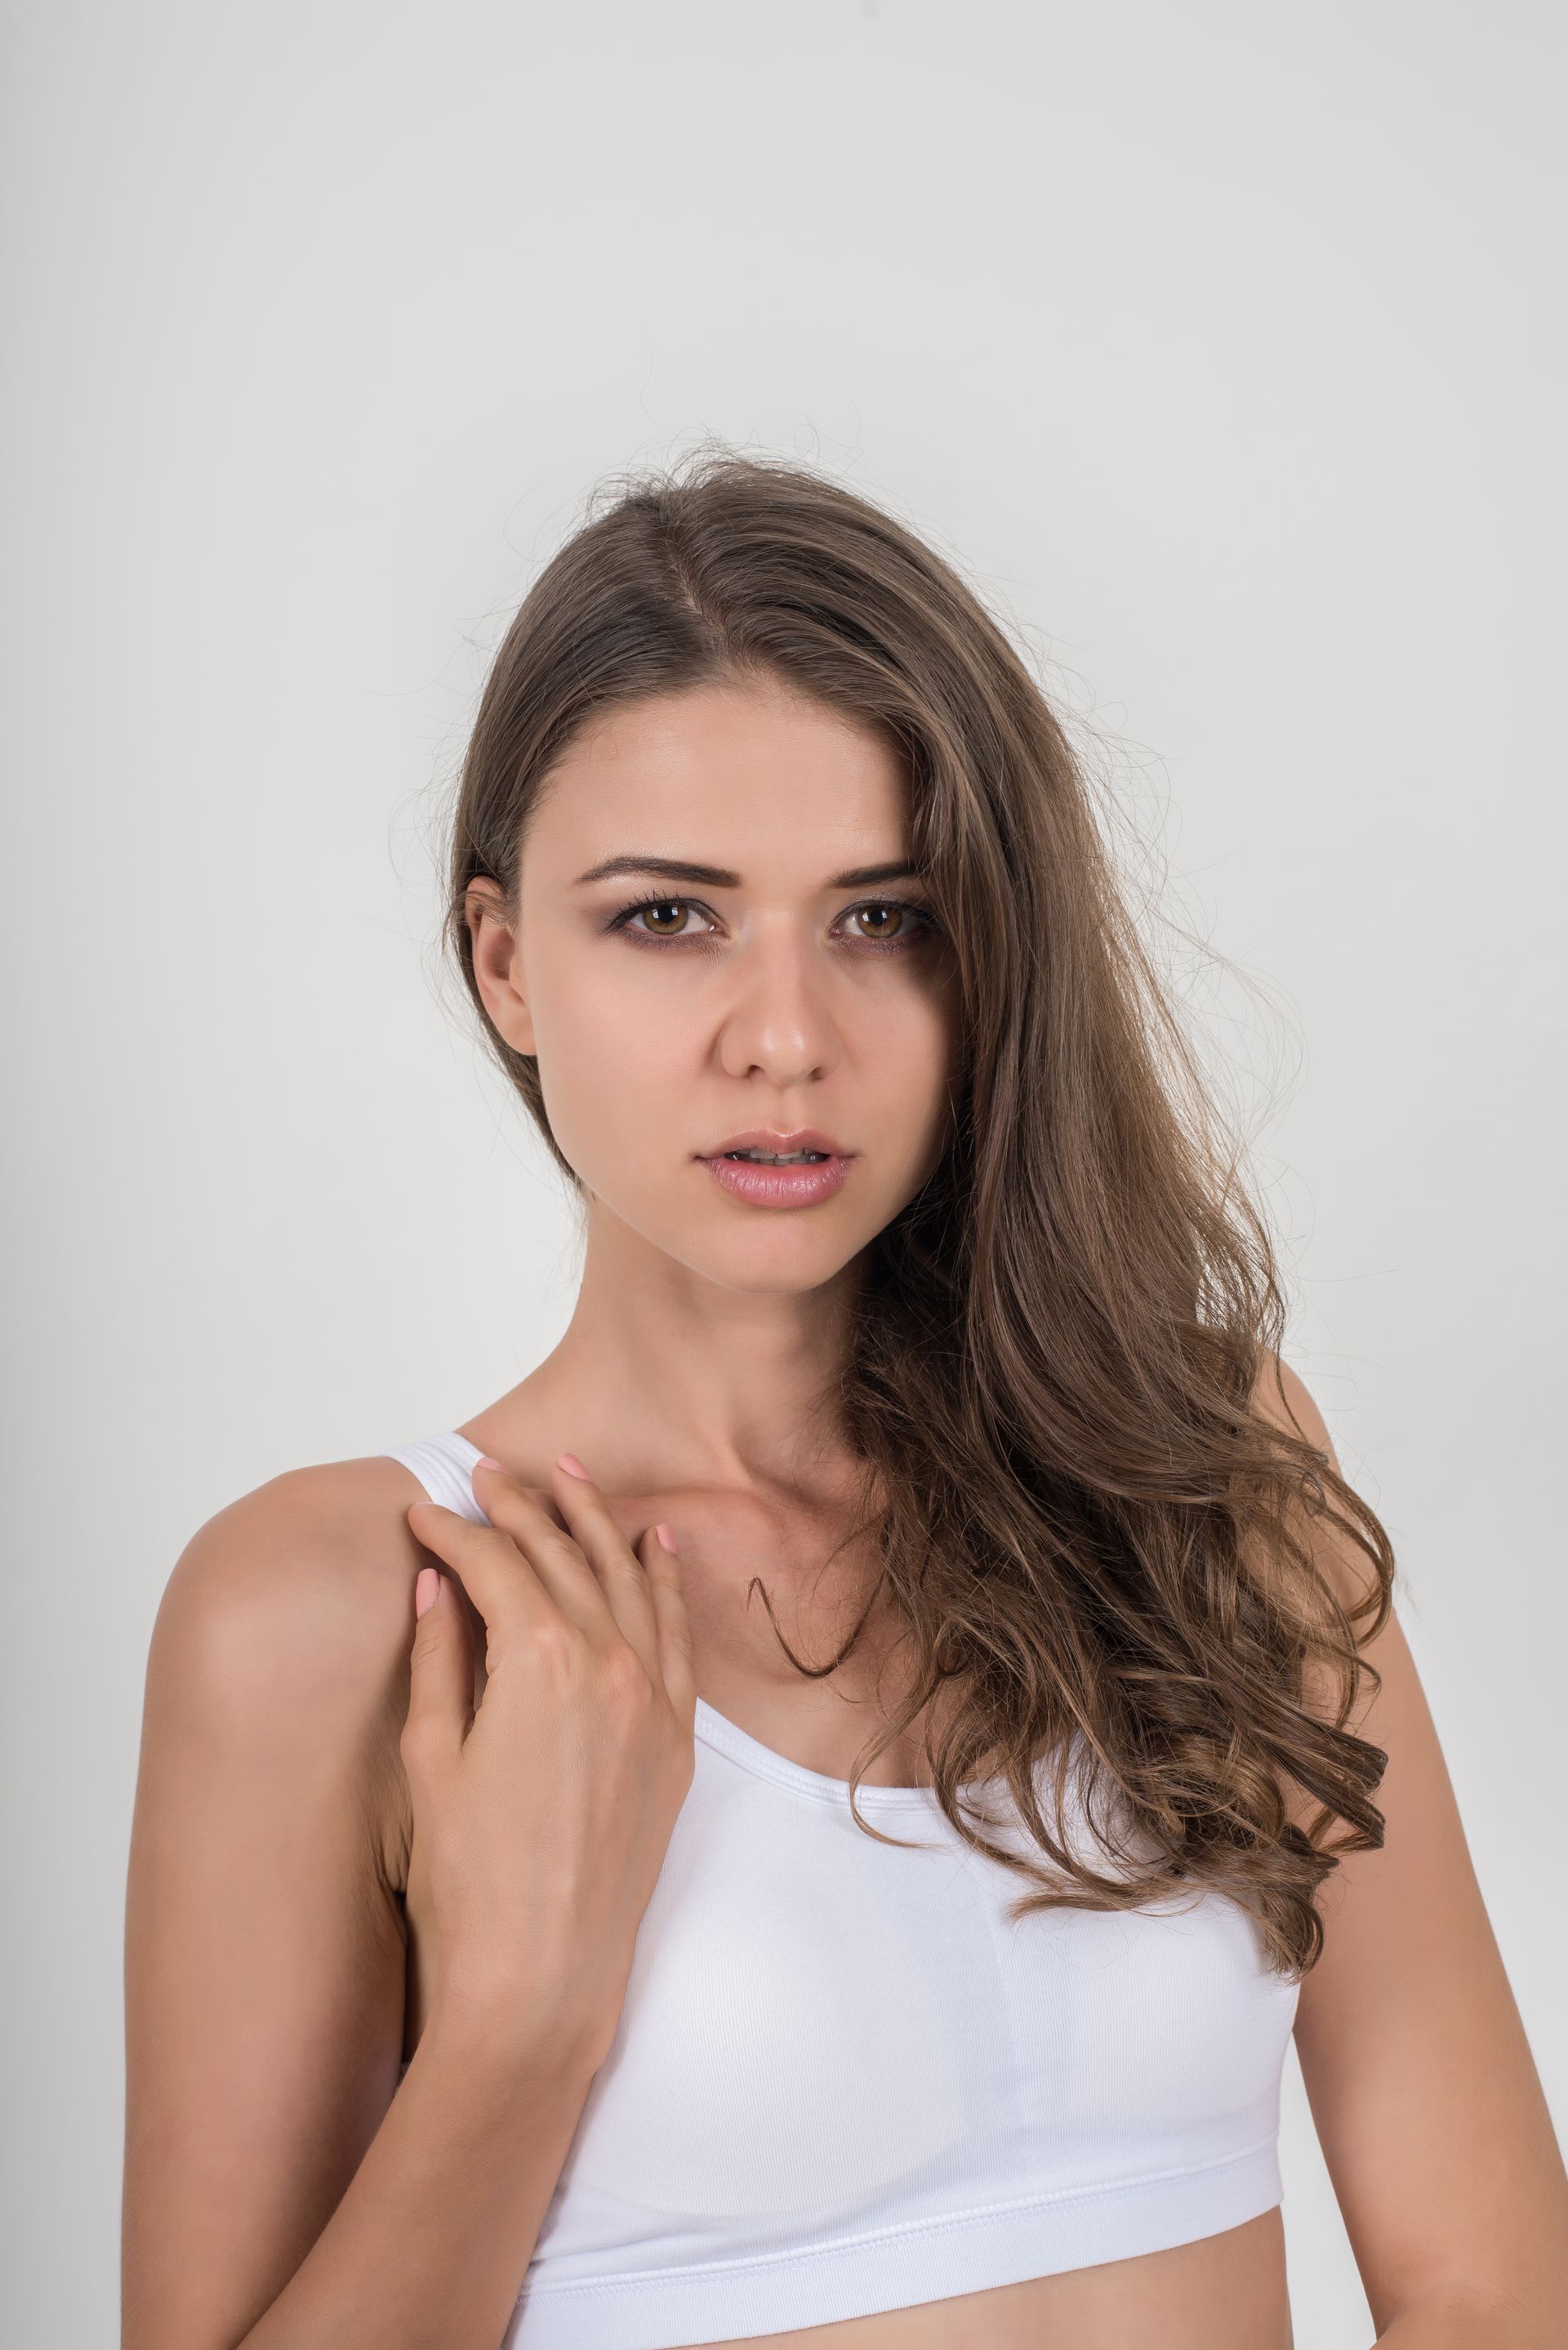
571 1464
427 1582
666 1535
484 1461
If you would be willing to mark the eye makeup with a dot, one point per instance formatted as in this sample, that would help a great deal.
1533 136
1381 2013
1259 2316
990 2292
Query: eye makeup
623 920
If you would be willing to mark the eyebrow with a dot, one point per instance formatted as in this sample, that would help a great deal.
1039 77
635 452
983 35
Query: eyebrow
719 876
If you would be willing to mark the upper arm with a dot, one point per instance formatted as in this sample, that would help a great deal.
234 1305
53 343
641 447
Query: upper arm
264 1953
1423 2090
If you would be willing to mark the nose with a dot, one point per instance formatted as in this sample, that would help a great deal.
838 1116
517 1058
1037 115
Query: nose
777 1017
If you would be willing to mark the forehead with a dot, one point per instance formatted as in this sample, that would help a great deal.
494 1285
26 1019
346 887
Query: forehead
746 776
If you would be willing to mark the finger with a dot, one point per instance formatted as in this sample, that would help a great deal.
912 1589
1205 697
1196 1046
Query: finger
676 1662
496 1575
622 1575
441 1677
551 1550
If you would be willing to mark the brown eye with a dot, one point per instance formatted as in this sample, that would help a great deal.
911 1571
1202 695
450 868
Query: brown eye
892 922
655 918
658 909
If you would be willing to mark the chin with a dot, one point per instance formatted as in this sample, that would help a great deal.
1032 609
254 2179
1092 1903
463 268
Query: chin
778 1256
769 1269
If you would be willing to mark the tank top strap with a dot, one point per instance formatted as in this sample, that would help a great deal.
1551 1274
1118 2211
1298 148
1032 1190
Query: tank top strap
443 1465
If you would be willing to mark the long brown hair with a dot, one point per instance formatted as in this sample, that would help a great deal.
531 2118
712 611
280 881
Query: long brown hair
1055 1367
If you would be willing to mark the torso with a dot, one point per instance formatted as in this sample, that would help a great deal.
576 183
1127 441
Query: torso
1226 2291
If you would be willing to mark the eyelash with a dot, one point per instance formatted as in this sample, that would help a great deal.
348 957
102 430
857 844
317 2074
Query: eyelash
927 922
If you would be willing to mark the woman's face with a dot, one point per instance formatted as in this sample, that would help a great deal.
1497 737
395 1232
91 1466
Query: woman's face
756 961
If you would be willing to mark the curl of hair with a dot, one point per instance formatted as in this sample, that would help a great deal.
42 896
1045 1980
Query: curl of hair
1077 1506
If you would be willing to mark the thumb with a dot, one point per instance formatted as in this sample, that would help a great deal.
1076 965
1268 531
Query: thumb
440 1674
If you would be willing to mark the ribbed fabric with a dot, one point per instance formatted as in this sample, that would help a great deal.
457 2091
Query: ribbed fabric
844 2082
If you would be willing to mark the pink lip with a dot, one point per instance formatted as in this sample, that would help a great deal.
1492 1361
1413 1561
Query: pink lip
779 1186
775 1138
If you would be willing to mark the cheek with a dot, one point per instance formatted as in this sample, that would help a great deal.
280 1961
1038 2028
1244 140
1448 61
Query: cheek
940 1075
609 1055
909 1064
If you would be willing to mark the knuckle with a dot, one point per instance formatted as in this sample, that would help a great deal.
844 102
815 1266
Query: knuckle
428 1645
625 1682
550 1542
528 1534
556 1646
519 1505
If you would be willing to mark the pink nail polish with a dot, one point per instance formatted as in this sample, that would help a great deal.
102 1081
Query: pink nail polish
666 1535
571 1464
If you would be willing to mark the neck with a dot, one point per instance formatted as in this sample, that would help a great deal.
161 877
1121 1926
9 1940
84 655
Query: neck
662 1377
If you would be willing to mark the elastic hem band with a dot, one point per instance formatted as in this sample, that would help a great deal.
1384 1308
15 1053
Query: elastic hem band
896 2268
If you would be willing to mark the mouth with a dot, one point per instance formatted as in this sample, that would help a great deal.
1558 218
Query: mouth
777 1159
766 1147
768 1170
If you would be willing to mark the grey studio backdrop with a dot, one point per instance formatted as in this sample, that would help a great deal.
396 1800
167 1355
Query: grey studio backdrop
1222 347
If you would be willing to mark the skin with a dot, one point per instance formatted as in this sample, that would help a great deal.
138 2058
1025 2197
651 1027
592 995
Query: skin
319 1887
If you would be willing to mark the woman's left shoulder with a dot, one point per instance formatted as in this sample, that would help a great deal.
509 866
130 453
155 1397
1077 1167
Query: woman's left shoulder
1282 1396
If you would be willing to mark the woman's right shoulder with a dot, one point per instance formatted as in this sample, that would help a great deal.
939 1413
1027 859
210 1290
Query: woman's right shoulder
319 1563
285 1630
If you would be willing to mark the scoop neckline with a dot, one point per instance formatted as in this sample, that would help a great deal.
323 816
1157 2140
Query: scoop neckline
716 1729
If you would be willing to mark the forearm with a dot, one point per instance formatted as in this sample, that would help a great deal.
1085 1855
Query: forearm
429 2244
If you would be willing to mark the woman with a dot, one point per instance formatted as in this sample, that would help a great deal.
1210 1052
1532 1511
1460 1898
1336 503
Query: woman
907 1959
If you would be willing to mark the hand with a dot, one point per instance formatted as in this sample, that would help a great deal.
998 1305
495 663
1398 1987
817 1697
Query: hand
545 1812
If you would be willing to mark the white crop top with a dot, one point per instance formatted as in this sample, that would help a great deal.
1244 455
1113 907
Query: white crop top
843 2082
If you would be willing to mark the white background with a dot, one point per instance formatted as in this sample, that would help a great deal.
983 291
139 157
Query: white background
1221 345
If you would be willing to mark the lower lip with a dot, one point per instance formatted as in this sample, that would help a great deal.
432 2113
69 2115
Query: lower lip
779 1186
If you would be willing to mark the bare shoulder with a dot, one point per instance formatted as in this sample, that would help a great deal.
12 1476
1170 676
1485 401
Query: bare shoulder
266 1937
287 1619
1282 1397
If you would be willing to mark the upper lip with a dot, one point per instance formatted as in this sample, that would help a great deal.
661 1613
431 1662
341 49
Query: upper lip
767 1138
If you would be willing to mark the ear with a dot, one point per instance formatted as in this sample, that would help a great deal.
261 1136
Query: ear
498 963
